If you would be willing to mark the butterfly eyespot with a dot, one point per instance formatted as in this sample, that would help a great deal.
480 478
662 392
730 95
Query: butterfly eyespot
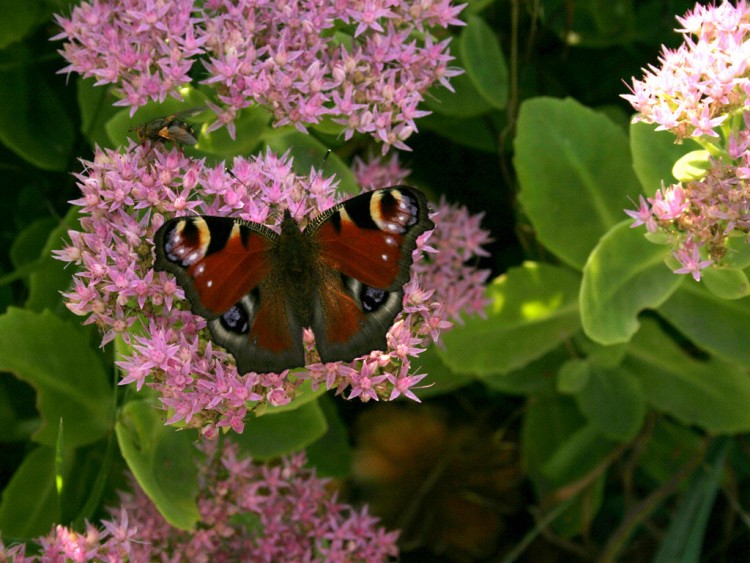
372 298
235 320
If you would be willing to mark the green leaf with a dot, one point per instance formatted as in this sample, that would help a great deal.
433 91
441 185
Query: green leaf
624 275
276 434
473 132
310 153
726 283
684 538
51 276
30 503
28 245
96 107
465 101
575 175
692 166
55 358
577 455
591 23
670 445
162 460
534 377
573 377
713 395
440 379
654 155
18 19
250 126
33 120
331 454
534 308
557 449
611 399
738 252
484 61
712 323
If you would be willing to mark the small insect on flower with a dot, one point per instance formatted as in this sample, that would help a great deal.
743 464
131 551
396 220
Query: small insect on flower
171 128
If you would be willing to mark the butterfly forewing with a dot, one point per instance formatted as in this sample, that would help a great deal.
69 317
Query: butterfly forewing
371 237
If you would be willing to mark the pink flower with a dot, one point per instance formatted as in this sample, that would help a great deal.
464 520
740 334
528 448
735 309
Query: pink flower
116 287
290 59
295 518
698 85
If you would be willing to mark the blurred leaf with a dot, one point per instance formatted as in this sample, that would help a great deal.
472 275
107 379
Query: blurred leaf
574 173
534 377
713 395
670 445
51 276
331 454
28 245
484 61
29 503
18 19
557 449
440 378
573 377
654 155
55 358
95 105
710 322
276 434
611 399
534 308
726 283
577 455
33 120
465 101
162 460
592 23
472 132
624 275
684 538
599 355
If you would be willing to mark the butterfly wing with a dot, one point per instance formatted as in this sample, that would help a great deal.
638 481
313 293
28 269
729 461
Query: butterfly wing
365 246
226 268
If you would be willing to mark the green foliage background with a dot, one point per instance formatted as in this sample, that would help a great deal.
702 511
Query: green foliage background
613 359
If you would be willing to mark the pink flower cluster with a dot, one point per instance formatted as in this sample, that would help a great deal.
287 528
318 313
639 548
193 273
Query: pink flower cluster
702 90
705 81
126 197
248 512
364 64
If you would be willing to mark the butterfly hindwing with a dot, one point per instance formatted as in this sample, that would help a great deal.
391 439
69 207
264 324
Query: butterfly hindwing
225 267
366 246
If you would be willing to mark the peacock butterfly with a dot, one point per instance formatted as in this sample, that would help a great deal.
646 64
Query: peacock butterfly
342 276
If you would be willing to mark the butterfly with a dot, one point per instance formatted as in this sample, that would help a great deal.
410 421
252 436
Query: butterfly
342 276
171 128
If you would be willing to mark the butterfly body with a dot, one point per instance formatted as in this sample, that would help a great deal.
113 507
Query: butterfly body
342 276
